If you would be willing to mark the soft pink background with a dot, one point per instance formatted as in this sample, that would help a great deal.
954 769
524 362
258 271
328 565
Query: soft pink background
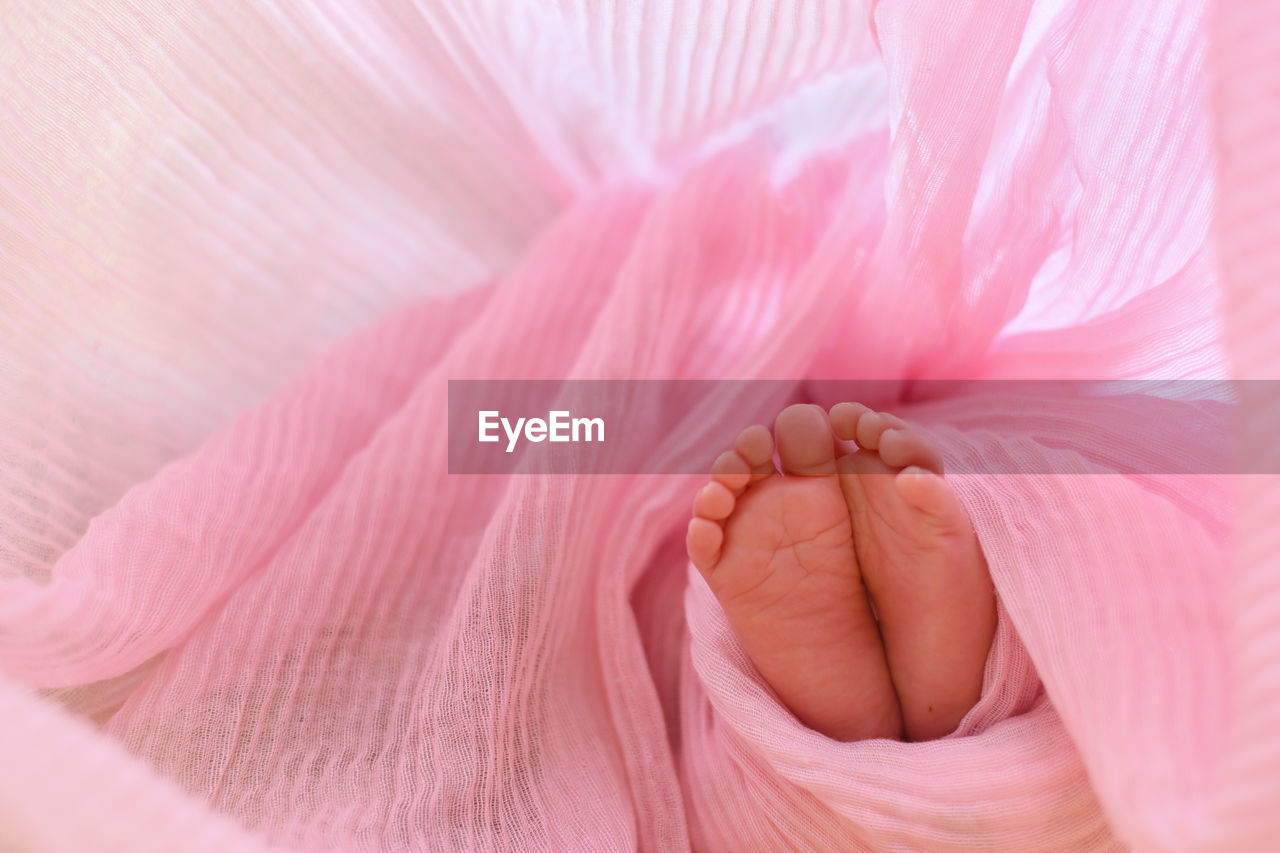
292 628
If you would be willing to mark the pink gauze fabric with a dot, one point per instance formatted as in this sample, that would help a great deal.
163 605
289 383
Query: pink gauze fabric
243 247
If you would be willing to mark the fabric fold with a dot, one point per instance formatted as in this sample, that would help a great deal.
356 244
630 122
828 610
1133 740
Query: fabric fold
293 627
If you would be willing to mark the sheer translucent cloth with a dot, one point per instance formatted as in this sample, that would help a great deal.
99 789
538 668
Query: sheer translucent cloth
243 247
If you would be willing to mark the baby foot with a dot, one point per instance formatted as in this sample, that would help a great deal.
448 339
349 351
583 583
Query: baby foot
922 566
777 549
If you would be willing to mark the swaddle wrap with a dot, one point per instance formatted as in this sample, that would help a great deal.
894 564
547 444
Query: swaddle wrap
240 612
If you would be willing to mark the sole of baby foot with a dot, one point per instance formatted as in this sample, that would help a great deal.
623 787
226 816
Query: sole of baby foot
776 548
922 565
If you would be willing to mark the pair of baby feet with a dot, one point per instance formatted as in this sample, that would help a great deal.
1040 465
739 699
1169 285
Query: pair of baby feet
854 581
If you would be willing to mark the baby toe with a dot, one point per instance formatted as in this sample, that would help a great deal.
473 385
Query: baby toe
713 501
805 444
903 446
844 419
927 492
755 446
703 540
872 425
732 471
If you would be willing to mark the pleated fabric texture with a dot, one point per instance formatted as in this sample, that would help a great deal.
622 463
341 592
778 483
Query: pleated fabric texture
243 248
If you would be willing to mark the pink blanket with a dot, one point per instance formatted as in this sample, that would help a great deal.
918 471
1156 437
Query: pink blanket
244 613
